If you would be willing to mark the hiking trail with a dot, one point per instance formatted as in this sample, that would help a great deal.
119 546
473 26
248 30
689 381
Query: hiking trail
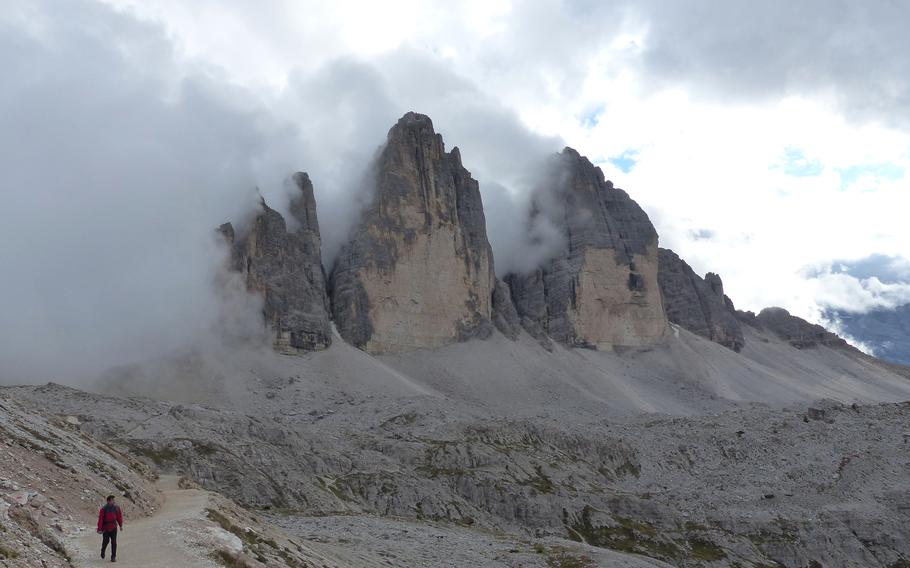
158 541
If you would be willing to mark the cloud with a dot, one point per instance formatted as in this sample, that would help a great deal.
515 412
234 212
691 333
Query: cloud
888 269
121 156
854 53
117 164
875 282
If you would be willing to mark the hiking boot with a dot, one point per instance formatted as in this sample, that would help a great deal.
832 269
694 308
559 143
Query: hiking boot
102 554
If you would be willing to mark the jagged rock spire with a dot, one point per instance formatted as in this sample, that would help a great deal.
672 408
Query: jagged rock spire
600 290
698 304
418 270
284 266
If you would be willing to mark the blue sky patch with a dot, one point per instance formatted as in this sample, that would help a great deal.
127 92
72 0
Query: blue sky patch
592 118
884 170
796 164
625 161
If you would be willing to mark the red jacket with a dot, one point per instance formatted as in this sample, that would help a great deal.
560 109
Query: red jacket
109 517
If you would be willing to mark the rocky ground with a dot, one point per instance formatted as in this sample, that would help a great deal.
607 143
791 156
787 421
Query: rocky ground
675 454
54 477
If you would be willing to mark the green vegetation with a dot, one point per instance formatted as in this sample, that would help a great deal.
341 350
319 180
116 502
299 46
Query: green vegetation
624 469
8 553
405 419
627 536
561 558
158 456
251 540
331 487
541 482
225 558
705 550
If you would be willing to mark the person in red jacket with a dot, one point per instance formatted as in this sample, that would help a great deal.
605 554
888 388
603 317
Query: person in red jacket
109 517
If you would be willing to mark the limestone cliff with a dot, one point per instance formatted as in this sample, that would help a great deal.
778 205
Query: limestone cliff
698 304
284 266
600 290
418 269
796 331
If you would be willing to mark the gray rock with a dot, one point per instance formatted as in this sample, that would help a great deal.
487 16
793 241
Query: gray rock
284 265
698 304
797 331
600 290
418 270
505 317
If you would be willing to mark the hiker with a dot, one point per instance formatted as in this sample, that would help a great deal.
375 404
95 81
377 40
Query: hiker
108 518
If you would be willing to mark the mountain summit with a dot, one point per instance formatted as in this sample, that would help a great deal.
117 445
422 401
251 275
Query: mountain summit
418 270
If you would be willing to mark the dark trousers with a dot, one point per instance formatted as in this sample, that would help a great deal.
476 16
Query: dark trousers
109 536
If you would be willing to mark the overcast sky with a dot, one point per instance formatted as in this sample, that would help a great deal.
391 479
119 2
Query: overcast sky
768 141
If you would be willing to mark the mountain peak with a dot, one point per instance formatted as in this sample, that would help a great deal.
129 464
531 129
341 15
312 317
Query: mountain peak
418 270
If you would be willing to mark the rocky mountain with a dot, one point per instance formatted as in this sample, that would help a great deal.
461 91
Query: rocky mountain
697 304
283 265
600 289
418 270
795 330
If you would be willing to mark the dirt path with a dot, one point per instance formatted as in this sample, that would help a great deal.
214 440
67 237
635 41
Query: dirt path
153 542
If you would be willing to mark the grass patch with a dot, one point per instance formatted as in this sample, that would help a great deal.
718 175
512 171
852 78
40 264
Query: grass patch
227 559
627 536
8 553
158 456
405 419
561 558
247 537
541 482
251 540
705 550
332 487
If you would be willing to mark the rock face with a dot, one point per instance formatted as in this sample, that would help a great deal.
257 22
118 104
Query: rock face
505 317
698 304
600 290
284 265
418 270
797 331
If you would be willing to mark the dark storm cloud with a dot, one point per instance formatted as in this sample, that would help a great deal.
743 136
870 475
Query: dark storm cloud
858 52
